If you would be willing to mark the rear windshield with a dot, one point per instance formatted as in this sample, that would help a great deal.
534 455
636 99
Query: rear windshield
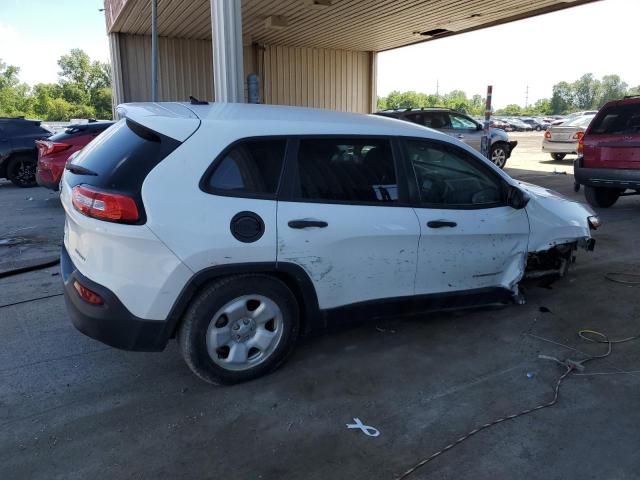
125 149
619 119
579 122
120 158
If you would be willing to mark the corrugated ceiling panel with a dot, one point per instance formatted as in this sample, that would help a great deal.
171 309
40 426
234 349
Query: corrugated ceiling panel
368 25
313 77
184 68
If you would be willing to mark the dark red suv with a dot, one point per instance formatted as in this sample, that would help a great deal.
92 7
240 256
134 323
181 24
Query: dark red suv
609 161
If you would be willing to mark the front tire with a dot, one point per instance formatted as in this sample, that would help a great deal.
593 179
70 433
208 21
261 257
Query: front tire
601 197
499 154
558 156
239 328
21 170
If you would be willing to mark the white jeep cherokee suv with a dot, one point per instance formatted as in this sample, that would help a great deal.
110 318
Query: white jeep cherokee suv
236 228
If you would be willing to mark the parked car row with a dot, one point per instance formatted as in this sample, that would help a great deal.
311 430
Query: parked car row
31 154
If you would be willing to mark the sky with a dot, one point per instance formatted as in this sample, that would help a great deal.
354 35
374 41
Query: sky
35 33
601 38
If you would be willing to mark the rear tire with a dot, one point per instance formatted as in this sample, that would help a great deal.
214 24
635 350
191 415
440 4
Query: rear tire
601 197
21 170
558 156
239 328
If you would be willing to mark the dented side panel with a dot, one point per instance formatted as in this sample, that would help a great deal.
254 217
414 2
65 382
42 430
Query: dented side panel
486 248
364 253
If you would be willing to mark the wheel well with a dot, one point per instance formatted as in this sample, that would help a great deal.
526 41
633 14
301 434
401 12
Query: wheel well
293 276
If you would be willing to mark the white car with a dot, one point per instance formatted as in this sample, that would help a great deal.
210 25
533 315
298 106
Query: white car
236 228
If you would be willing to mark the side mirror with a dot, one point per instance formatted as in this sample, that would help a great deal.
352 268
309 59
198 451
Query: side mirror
479 126
516 198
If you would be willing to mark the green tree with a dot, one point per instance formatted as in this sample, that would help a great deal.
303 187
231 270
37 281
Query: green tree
586 91
611 88
562 98
510 110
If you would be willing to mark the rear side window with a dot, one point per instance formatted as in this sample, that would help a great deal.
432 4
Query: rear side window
346 170
251 167
622 119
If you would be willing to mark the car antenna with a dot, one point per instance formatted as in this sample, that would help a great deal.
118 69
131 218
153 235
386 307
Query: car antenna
195 101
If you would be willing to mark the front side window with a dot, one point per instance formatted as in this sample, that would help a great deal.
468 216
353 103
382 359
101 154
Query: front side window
350 170
251 167
459 122
449 177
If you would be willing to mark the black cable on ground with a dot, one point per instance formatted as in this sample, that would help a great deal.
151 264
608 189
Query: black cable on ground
31 300
619 277
30 268
570 365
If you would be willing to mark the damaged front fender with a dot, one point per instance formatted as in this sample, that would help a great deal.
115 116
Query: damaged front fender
556 220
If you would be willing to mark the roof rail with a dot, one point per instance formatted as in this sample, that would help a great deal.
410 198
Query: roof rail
631 96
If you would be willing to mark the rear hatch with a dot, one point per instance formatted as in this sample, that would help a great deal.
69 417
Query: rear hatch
118 160
613 139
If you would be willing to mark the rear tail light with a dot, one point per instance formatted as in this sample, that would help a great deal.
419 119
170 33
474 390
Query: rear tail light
580 149
45 147
113 207
87 295
578 136
547 134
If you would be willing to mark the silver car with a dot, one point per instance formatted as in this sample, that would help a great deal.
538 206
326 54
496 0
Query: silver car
460 126
560 140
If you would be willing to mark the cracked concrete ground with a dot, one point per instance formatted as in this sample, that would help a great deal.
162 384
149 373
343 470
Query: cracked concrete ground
72 408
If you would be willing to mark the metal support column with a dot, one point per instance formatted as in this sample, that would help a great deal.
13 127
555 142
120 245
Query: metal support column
226 34
154 50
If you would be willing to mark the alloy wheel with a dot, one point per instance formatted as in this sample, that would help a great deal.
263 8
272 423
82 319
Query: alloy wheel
244 332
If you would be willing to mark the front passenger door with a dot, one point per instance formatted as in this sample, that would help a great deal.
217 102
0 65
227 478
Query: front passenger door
470 238
465 129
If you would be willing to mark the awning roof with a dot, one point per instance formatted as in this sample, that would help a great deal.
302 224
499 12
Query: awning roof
373 25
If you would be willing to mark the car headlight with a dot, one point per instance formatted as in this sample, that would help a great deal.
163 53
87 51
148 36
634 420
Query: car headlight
594 222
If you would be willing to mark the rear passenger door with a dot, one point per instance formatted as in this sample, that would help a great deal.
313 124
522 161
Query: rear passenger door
343 216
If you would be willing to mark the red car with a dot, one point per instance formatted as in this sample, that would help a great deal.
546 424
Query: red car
54 152
609 161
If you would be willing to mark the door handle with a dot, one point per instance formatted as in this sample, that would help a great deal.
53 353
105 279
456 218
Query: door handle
441 223
307 223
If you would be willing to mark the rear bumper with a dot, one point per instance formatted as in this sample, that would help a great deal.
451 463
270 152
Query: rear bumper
559 147
605 177
45 179
110 323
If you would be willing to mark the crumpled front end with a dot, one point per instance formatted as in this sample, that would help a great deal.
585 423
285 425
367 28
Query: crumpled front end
559 226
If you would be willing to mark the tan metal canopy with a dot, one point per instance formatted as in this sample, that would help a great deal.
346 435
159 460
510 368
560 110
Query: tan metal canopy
365 25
